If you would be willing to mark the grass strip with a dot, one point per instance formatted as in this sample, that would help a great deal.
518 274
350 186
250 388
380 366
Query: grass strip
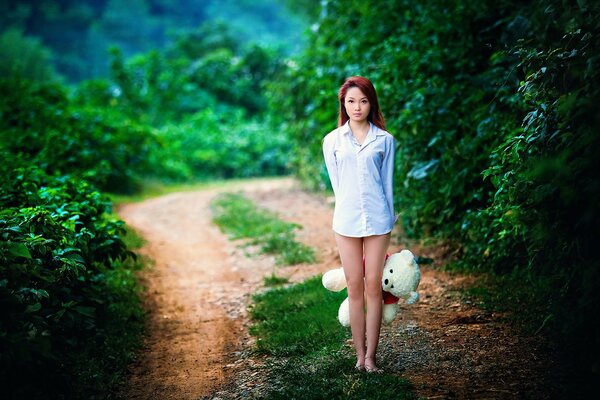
297 327
274 280
239 217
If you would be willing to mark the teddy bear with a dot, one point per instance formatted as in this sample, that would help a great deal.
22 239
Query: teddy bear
401 277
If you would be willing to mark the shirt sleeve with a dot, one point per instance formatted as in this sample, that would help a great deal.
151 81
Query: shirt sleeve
330 163
387 175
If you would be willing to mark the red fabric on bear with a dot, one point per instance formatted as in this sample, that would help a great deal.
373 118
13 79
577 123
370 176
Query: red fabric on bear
389 298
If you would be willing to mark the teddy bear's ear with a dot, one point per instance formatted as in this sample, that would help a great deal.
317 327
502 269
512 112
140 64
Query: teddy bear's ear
407 255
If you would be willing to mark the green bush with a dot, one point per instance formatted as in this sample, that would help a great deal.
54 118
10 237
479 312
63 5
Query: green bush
39 124
25 57
546 207
220 145
197 110
65 285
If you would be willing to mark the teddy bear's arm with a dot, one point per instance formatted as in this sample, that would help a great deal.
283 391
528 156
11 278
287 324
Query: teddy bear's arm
412 298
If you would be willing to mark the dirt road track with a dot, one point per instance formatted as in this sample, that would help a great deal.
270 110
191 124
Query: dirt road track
197 292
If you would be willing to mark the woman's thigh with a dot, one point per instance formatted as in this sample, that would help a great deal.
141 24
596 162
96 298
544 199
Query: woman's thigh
375 248
351 255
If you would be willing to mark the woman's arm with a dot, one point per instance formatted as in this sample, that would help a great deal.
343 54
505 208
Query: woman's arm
387 174
330 163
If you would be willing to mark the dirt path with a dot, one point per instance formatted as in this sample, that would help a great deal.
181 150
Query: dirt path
200 286
196 294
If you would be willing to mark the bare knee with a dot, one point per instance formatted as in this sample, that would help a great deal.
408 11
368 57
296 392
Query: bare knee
355 288
373 287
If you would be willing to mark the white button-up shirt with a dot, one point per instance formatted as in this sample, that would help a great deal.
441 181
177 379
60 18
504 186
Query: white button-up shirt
362 181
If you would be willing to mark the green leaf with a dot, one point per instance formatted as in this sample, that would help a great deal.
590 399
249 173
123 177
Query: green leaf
19 250
87 311
33 308
75 257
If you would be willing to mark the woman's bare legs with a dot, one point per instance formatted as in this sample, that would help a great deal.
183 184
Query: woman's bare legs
375 248
351 255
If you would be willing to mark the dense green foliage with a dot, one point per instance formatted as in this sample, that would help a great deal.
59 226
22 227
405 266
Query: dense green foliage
79 33
202 104
494 108
193 110
238 216
29 59
40 126
546 207
67 293
297 327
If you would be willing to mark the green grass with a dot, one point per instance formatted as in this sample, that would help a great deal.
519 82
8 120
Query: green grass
274 280
297 320
239 217
132 239
297 327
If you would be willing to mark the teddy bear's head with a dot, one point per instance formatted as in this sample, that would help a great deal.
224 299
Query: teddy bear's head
401 276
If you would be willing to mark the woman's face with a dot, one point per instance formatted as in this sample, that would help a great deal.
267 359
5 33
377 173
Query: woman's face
357 105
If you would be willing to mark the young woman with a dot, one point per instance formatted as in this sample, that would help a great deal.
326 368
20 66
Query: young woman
359 156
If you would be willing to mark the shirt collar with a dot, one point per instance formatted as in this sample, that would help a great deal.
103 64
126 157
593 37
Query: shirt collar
345 129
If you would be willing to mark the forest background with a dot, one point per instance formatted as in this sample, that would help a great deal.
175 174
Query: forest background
493 105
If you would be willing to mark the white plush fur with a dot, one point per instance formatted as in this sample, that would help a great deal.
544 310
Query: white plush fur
401 277
389 312
344 313
334 279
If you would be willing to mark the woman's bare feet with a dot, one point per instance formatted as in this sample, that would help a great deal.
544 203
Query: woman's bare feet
360 364
370 365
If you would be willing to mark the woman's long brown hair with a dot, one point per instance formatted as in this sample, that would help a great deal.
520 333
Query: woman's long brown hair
368 89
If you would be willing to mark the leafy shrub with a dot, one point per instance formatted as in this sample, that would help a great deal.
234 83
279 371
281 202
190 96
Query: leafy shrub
546 206
65 290
39 125
203 70
24 57
225 144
